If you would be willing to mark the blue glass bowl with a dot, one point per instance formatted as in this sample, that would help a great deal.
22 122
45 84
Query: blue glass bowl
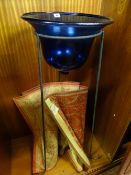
65 37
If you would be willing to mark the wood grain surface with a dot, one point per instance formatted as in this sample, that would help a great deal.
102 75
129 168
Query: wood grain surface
114 103
18 56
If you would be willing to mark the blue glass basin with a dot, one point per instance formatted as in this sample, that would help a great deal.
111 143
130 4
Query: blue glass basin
66 38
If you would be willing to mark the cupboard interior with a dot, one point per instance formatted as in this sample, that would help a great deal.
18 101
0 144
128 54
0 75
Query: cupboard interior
19 72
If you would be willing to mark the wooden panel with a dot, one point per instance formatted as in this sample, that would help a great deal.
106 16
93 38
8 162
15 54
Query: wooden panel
5 156
18 58
114 111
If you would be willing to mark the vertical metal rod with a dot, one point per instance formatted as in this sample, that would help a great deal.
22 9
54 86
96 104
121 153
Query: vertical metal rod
96 91
42 98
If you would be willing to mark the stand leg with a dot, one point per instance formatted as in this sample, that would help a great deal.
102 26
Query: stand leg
42 97
96 91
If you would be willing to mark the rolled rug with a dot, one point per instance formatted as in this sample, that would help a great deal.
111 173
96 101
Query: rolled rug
54 105
73 105
29 105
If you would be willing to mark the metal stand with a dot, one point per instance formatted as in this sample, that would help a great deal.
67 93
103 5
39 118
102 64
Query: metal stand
101 33
42 99
96 91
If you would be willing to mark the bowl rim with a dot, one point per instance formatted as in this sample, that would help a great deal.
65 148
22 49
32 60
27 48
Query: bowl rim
30 16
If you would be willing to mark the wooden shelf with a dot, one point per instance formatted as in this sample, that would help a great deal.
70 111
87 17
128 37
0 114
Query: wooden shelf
22 156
